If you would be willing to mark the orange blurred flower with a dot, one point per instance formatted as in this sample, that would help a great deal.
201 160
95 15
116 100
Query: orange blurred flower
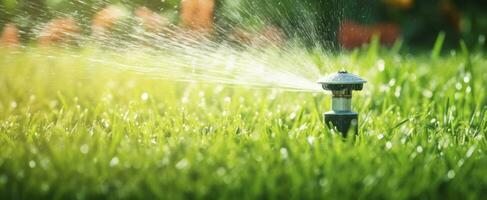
387 32
197 14
105 19
242 36
451 13
353 35
402 4
270 34
61 30
10 36
151 21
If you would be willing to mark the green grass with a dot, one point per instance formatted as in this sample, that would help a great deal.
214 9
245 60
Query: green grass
71 129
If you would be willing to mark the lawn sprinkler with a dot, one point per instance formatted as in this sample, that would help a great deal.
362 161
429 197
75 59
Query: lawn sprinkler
341 115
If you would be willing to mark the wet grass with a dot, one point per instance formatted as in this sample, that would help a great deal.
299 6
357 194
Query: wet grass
71 129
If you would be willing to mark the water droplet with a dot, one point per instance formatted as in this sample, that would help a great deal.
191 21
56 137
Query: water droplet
227 99
470 151
323 182
458 86
392 82
114 161
201 94
388 145
13 104
220 171
182 164
380 65
310 140
397 92
466 79
84 149
427 93
450 174
292 116
284 153
32 164
144 96
460 162
380 136
185 99
419 149
481 39
105 123
369 180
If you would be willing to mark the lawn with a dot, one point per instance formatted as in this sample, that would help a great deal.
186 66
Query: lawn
75 129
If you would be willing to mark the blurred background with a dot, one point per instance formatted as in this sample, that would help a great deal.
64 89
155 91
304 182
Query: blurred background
331 24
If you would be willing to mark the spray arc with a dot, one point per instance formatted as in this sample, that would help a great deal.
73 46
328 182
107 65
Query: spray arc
341 85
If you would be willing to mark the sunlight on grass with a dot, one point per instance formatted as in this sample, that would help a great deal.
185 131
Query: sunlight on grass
71 128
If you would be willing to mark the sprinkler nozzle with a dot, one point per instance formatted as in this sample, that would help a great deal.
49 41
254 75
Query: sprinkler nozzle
341 85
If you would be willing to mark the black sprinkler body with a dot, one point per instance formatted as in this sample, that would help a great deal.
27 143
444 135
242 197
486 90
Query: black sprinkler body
341 115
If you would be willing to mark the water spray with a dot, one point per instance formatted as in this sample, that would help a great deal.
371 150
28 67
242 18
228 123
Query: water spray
341 115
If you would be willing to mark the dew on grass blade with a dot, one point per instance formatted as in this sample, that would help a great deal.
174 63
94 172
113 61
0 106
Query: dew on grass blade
227 99
388 145
451 174
13 104
310 139
419 149
221 171
84 149
32 164
284 153
182 164
292 116
144 96
380 65
114 161
470 151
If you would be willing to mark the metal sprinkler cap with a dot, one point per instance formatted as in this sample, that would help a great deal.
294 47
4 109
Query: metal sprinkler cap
342 80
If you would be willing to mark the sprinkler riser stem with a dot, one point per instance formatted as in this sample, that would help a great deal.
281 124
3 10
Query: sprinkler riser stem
342 118
339 104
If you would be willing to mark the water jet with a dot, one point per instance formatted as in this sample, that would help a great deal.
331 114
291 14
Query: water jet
341 85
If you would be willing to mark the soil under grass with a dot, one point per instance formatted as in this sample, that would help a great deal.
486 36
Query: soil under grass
71 129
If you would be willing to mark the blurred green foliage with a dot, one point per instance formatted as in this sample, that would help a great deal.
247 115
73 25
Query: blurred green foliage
311 20
314 21
318 20
28 15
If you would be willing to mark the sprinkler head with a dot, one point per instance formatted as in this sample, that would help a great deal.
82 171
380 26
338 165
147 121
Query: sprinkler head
341 85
